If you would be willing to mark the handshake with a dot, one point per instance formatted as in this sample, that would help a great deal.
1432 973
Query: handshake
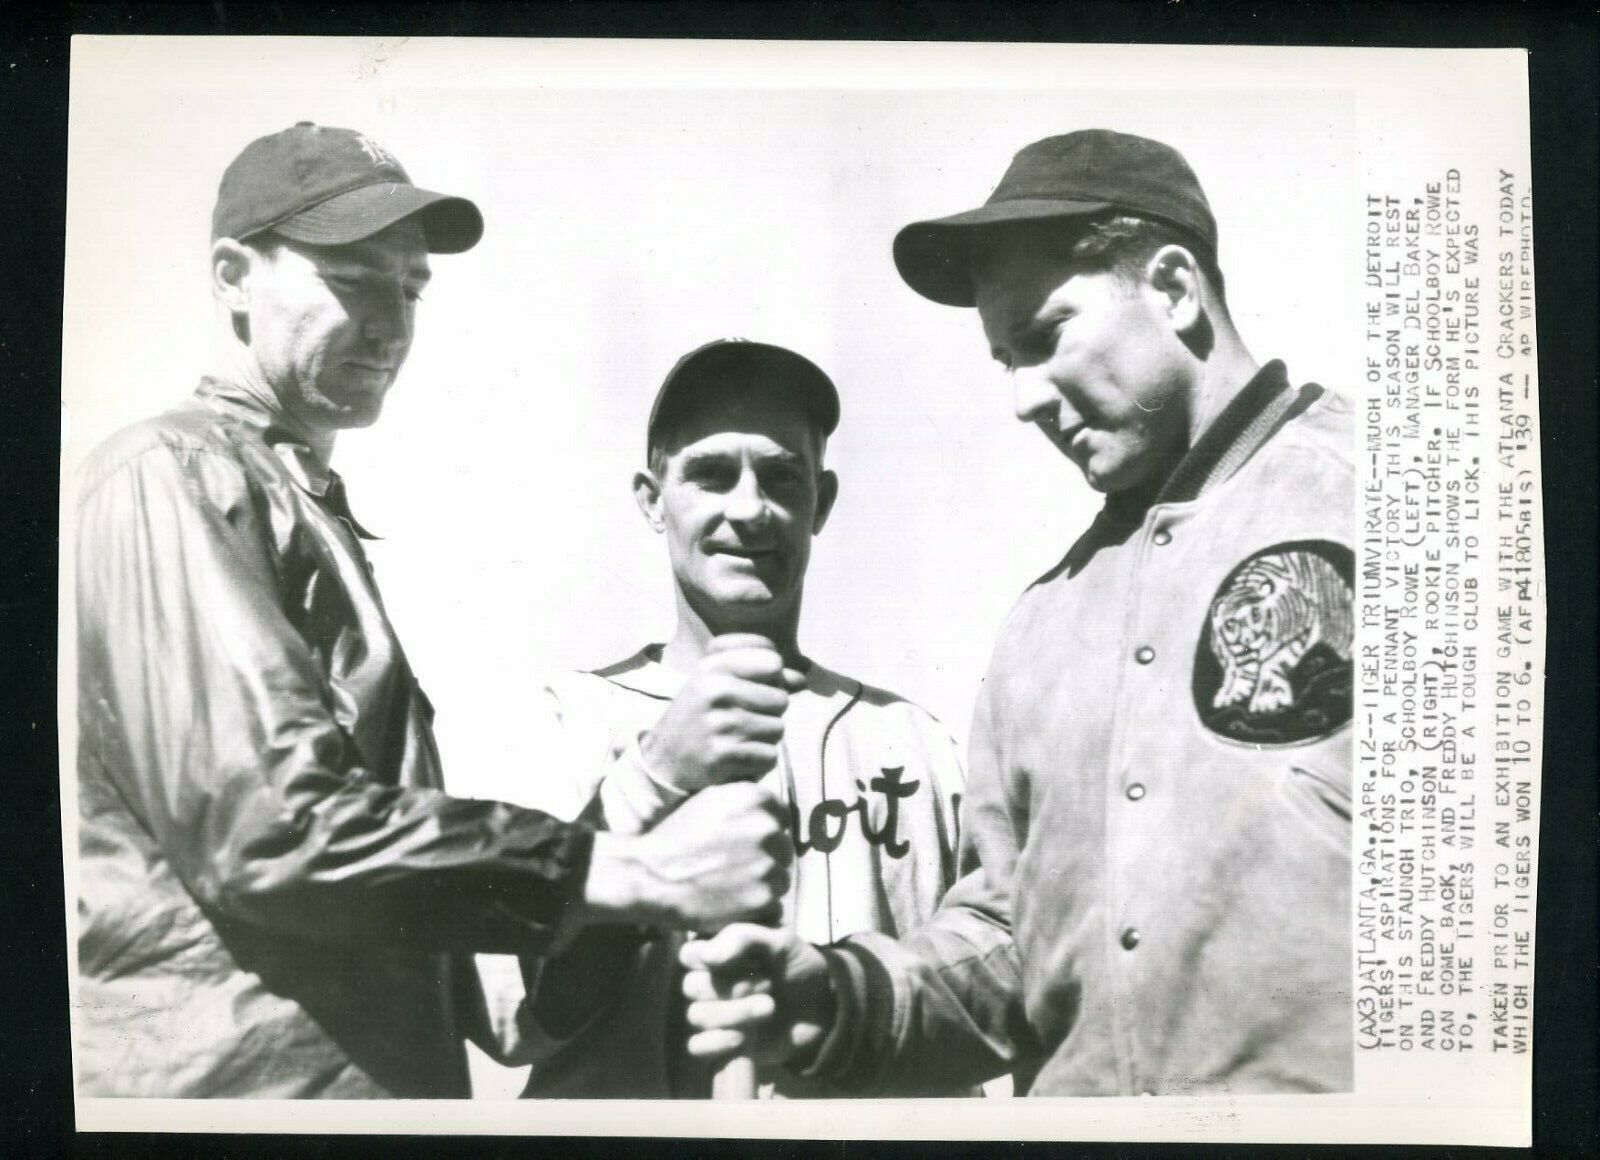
724 855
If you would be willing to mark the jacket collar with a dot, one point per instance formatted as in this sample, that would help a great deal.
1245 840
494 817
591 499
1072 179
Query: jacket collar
313 476
1229 440
1251 417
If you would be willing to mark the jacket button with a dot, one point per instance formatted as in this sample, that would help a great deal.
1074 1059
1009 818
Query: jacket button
1145 654
1162 538
1135 792
1130 938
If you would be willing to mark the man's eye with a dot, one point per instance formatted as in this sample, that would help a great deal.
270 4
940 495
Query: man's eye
780 479
710 475
348 284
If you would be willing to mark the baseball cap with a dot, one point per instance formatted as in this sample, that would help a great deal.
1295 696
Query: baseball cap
329 187
1092 171
756 366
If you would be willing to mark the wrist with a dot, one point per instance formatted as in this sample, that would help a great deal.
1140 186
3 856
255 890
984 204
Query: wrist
832 1057
656 764
632 798
817 1007
619 887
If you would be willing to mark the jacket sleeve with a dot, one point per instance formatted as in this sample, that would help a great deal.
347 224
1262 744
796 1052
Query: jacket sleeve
941 1008
206 710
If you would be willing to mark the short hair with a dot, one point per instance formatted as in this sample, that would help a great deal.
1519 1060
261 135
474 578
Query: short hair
1118 243
267 242
1124 244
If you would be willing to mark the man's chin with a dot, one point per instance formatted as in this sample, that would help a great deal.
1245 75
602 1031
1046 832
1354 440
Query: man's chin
744 597
751 596
1108 478
353 416
1094 477
366 418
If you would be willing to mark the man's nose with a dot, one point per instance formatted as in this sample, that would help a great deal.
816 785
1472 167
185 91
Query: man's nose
388 320
747 503
1034 397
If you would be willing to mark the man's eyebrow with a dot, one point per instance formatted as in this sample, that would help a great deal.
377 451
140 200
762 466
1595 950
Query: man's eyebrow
1027 330
781 456
698 458
1024 329
357 264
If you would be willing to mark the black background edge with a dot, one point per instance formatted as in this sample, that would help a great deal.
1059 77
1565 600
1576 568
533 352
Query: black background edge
35 1083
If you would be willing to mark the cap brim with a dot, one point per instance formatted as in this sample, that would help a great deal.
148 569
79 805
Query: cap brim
935 257
452 225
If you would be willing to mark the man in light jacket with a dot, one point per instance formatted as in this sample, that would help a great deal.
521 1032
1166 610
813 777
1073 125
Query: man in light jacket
1157 833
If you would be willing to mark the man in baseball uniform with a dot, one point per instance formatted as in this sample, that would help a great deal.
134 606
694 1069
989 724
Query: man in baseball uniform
735 485
1156 850
273 886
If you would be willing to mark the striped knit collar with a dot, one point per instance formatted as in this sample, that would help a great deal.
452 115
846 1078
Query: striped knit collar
1251 417
1237 432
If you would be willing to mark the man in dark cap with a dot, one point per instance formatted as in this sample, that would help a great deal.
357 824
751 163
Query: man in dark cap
271 881
1156 844
735 485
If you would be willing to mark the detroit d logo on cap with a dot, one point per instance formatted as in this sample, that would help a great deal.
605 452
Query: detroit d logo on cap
381 157
1272 666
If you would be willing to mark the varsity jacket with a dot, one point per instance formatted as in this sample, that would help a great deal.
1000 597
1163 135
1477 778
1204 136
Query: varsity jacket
1157 835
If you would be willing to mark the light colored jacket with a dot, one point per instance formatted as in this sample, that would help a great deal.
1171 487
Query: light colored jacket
873 783
1157 888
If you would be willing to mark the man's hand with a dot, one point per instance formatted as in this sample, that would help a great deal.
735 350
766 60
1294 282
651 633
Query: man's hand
757 992
721 857
726 722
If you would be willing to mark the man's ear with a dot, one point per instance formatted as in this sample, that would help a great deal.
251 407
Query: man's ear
647 494
827 493
1173 273
231 267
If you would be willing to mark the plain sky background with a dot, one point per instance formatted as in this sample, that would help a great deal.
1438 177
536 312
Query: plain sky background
634 210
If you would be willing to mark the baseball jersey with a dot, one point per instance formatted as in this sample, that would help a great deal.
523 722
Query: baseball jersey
872 784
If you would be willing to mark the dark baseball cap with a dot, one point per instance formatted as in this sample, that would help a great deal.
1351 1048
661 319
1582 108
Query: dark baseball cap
330 187
754 366
1093 171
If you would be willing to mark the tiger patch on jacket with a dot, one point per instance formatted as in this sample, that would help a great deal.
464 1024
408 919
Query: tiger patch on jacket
1272 666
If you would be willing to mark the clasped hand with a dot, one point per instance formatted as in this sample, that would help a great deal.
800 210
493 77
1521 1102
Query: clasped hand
726 722
757 992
